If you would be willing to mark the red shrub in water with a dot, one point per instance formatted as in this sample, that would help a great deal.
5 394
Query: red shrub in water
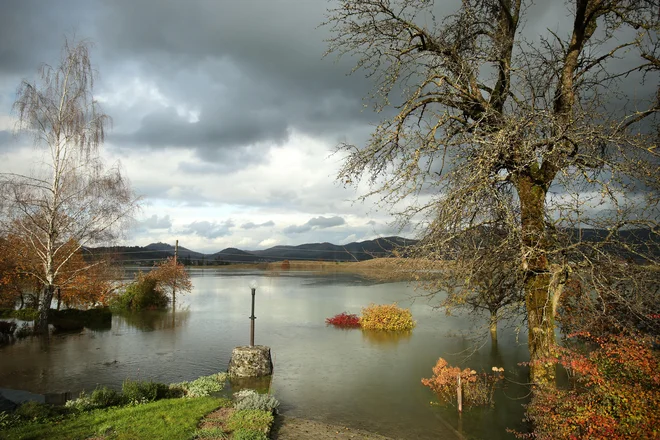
344 320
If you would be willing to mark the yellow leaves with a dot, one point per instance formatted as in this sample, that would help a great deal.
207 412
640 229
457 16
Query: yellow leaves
387 317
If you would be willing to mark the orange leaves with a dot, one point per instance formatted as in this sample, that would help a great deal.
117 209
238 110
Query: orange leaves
477 388
171 276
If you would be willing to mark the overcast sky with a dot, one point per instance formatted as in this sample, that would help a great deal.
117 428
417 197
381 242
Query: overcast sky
225 113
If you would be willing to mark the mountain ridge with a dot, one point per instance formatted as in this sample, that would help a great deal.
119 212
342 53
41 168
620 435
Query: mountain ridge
354 251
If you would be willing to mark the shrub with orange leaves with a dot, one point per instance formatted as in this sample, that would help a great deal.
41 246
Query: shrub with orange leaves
171 277
386 317
615 393
477 388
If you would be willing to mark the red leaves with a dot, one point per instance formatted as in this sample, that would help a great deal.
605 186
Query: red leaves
617 398
344 320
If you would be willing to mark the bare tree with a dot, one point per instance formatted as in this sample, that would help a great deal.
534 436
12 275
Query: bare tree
72 198
489 128
479 273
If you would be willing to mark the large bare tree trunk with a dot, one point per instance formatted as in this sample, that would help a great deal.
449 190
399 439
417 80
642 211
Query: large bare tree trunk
493 326
538 295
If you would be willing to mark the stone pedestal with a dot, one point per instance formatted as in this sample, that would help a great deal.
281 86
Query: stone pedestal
249 361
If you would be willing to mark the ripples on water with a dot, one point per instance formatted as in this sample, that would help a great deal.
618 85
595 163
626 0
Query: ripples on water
369 380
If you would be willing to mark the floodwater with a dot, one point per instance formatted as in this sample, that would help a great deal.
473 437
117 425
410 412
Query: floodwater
368 380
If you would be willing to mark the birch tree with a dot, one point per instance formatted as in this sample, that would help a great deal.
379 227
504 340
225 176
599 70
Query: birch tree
72 197
542 136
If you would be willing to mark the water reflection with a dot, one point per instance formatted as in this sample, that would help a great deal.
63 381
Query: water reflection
367 380
385 338
153 320
261 384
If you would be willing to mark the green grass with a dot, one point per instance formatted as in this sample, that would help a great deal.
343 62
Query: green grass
164 419
250 419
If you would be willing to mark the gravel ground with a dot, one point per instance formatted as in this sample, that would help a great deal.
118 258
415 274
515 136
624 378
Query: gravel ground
290 428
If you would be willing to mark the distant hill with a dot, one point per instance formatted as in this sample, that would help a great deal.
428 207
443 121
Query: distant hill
357 251
145 255
233 255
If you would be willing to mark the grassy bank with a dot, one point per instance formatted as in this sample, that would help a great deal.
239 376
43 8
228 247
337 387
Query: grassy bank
147 410
163 419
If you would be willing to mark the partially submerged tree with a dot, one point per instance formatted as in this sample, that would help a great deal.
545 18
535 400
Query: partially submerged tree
490 127
73 198
480 273
171 277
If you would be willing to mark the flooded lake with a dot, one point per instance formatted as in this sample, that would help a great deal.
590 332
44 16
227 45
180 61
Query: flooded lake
360 379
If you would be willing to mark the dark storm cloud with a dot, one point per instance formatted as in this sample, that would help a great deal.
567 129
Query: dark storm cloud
251 225
208 229
250 71
315 223
32 31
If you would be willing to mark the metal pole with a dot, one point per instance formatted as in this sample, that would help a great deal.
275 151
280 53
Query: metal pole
252 318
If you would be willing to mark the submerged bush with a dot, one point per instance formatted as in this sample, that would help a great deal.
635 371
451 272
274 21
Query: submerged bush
27 314
250 399
386 317
344 320
141 294
477 388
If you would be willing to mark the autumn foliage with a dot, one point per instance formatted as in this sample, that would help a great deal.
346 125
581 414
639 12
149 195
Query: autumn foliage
344 320
154 289
477 388
387 317
615 393
171 277
80 281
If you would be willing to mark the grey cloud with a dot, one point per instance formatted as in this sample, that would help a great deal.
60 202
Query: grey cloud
154 222
31 31
210 229
251 225
252 71
7 140
315 223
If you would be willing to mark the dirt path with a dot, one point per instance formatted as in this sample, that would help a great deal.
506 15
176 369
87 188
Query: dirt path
290 428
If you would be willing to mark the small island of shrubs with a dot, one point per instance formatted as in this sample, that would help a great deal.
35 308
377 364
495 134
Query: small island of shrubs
389 317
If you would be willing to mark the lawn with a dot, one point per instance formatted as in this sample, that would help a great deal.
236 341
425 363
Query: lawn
165 419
